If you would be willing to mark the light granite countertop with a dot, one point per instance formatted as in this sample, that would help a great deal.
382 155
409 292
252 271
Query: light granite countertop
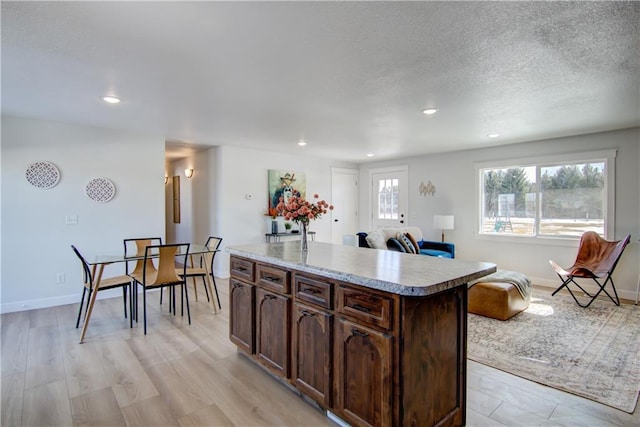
395 272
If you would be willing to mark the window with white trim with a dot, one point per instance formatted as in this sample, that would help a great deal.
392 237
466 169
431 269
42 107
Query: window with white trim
561 197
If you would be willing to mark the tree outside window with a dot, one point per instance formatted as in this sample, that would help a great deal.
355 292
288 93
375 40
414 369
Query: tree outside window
569 200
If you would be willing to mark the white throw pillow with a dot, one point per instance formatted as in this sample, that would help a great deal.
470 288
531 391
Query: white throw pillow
376 240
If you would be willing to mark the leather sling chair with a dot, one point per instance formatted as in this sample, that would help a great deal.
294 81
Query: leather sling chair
596 259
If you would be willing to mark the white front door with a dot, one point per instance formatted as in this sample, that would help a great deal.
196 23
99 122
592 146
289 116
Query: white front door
344 198
389 197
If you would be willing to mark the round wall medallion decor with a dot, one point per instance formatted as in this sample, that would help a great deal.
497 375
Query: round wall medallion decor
42 175
100 190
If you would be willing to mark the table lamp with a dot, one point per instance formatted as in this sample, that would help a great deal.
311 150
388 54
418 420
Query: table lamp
443 222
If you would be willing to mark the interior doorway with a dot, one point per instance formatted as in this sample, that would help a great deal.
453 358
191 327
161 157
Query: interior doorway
344 198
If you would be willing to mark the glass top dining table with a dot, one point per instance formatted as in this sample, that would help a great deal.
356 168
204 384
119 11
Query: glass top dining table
115 257
99 260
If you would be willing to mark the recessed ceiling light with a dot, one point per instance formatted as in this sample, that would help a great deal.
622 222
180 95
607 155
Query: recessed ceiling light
370 154
430 111
493 135
111 99
302 143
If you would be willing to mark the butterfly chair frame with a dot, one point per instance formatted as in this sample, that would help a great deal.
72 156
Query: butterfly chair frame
122 281
597 259
164 275
213 243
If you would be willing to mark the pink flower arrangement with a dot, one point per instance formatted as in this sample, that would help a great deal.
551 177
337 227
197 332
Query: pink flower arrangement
297 209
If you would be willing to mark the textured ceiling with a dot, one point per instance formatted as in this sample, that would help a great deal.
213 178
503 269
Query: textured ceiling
348 77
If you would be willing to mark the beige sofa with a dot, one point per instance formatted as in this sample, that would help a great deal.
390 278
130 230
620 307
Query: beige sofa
387 238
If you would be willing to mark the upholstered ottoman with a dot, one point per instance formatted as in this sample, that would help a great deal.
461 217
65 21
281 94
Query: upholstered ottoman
500 295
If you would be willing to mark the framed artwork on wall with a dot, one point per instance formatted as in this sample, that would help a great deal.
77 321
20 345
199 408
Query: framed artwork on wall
285 183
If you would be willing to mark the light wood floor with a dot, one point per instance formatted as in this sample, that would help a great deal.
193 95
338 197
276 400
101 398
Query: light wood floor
191 375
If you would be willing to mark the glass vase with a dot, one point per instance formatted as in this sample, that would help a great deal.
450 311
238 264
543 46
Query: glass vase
304 243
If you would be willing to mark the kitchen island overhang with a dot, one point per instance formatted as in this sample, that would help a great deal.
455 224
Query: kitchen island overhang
390 271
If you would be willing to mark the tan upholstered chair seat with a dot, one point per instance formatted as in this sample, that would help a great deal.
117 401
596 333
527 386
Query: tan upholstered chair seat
497 300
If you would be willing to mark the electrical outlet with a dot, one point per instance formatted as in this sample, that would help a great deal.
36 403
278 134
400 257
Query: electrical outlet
60 278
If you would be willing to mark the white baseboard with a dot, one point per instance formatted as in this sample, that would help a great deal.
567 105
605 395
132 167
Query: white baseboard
33 304
53 301
339 421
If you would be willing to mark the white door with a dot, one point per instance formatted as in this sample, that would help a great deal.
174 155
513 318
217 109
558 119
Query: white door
389 197
344 198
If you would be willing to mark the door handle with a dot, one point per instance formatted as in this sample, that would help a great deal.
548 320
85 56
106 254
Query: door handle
335 220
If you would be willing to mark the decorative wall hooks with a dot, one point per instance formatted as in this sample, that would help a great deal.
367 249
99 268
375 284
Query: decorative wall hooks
100 190
427 189
42 174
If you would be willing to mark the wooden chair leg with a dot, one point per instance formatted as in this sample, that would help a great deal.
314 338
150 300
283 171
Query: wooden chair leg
195 288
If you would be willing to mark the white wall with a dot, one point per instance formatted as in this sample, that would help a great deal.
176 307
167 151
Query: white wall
214 202
35 240
240 172
453 176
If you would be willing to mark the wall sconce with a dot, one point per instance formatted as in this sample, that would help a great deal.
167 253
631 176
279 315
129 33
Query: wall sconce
443 222
188 173
166 179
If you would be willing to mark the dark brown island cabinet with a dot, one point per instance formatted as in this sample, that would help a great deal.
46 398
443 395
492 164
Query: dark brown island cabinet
377 339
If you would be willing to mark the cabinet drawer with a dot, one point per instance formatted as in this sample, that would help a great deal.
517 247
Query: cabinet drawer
242 269
365 306
272 278
313 291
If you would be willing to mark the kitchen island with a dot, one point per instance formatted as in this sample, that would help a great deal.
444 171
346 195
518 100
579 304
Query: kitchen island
375 337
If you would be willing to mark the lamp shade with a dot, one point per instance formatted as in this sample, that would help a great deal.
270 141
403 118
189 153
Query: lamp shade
443 222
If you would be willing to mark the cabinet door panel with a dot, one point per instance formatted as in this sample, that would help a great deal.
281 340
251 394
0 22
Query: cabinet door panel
242 315
434 345
273 344
311 361
364 383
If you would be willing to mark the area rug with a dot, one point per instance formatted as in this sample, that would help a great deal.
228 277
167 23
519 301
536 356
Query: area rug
593 352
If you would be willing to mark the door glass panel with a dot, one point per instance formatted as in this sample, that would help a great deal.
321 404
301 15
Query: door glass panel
388 199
